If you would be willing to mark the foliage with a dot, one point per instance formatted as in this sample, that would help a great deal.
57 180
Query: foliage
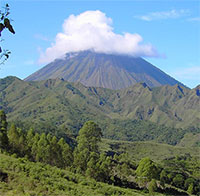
37 179
87 159
182 172
55 106
42 148
3 131
147 170
139 149
5 24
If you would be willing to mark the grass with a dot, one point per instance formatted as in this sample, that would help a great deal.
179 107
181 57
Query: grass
156 151
25 178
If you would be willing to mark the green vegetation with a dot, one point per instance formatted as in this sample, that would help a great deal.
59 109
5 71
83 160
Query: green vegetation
146 170
3 130
190 140
21 177
50 148
48 165
137 113
138 150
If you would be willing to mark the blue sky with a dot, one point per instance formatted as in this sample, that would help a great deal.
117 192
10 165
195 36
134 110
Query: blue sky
172 28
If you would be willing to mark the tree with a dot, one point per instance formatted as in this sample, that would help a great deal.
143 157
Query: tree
29 140
89 136
54 150
92 168
22 145
13 136
104 168
17 140
3 130
146 170
35 146
5 24
65 153
43 149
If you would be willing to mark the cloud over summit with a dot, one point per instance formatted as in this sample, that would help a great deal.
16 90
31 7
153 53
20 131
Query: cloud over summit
93 30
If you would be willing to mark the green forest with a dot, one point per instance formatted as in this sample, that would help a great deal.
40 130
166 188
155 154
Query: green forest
33 163
59 138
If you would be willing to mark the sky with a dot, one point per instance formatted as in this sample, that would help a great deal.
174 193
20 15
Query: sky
164 32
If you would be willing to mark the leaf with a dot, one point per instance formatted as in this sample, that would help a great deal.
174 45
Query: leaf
10 28
1 27
7 56
7 13
8 25
2 16
6 22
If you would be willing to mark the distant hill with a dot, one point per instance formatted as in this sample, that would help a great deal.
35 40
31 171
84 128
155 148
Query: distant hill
103 70
133 113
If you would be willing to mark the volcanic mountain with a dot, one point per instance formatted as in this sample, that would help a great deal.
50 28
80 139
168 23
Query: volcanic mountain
103 70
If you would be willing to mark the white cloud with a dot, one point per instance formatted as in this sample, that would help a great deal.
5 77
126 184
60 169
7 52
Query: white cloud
93 30
171 14
194 19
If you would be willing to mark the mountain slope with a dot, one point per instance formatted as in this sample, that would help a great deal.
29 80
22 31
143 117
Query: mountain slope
133 113
21 177
103 70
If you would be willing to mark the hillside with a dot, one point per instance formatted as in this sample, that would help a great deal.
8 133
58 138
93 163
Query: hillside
103 70
46 165
156 151
29 178
132 114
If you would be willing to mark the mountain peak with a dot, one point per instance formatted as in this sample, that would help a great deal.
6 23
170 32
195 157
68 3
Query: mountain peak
103 70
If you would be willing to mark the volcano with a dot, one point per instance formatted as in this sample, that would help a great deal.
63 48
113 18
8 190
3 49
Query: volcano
103 70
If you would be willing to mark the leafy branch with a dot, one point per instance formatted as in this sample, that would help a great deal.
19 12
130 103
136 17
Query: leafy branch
5 24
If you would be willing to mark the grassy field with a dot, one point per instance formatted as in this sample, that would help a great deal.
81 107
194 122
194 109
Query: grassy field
156 151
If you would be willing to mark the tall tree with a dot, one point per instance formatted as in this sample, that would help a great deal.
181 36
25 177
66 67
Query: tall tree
89 136
13 136
43 149
29 140
17 140
35 146
54 150
103 168
92 168
3 130
65 154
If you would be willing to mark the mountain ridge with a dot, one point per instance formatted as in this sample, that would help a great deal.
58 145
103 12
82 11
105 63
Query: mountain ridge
60 102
